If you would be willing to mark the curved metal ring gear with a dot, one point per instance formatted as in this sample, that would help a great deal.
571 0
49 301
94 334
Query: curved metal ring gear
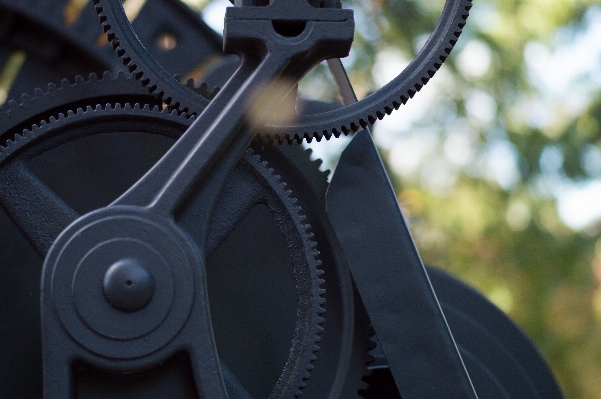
502 361
120 88
138 61
252 184
336 122
48 135
345 329
56 39
343 354
32 109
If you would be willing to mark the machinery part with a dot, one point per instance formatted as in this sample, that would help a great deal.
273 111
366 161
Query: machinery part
51 50
144 216
398 296
100 186
336 122
240 199
31 110
344 344
56 47
302 175
53 128
138 56
501 359
108 89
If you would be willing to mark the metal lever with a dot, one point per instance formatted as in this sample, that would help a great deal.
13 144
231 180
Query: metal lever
123 287
388 272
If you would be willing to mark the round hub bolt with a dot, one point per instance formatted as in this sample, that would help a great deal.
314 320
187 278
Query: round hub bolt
128 285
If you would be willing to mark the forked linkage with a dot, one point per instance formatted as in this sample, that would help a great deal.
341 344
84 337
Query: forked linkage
90 313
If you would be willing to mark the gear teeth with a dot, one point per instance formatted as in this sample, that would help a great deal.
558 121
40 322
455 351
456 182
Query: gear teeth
203 89
49 101
313 253
443 41
453 18
369 358
198 103
317 162
12 104
25 98
38 92
9 145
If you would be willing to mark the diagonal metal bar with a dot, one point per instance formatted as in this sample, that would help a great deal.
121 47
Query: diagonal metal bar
388 272
342 81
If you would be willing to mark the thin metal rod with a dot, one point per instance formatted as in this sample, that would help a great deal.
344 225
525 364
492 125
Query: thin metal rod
342 81
344 84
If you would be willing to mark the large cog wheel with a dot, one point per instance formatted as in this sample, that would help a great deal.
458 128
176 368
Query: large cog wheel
304 256
345 333
53 46
333 123
55 133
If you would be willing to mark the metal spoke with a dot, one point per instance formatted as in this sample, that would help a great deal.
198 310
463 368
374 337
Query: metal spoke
33 207
342 81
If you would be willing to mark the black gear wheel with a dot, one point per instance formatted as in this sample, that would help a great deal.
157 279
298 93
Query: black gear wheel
303 175
56 48
32 109
50 134
347 327
144 66
306 281
500 358
336 122
343 354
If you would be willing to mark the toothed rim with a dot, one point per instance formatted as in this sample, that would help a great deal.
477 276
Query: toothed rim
308 328
391 96
139 62
333 123
43 104
65 84
204 89
18 142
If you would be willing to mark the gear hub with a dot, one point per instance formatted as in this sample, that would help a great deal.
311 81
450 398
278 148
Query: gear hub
128 285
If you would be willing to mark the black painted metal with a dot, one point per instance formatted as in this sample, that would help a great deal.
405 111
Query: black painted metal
140 223
501 359
322 124
70 167
391 279
43 216
55 50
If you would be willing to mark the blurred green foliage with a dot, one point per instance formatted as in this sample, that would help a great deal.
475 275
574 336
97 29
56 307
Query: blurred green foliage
496 144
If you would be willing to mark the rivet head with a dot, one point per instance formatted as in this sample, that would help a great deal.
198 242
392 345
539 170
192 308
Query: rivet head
128 285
